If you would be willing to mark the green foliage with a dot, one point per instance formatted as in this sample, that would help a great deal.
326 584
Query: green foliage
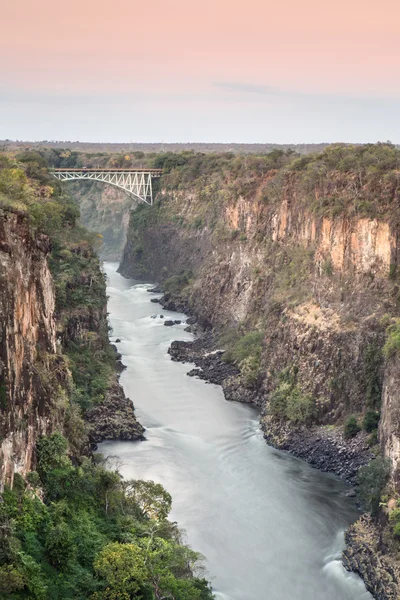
357 180
123 567
76 530
95 536
11 579
176 283
51 453
152 499
396 529
59 545
288 403
371 482
392 344
371 421
351 427
244 346
245 352
373 374
93 370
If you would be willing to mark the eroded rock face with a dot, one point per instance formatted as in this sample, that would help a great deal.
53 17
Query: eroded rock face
364 556
389 426
27 345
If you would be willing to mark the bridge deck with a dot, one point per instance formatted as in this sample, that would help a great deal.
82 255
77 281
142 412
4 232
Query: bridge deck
90 170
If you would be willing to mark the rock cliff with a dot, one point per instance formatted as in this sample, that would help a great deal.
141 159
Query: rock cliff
294 267
28 355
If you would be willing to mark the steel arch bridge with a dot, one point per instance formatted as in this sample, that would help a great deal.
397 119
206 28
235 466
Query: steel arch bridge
137 183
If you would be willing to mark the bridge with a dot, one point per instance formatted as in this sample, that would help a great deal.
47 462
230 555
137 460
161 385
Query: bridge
137 183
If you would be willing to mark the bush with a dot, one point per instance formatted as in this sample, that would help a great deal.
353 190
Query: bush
245 352
248 345
351 427
371 421
176 283
392 344
288 402
371 481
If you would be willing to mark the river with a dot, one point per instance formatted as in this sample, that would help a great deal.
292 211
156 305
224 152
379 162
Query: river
270 526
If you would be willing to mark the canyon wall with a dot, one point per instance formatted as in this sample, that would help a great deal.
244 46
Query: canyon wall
320 288
28 354
294 270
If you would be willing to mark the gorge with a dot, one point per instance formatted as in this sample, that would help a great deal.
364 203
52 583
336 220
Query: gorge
288 267
269 525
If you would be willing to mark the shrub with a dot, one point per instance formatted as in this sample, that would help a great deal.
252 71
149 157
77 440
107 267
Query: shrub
371 421
327 267
51 452
176 283
60 547
351 427
396 530
249 344
371 481
288 402
300 407
392 344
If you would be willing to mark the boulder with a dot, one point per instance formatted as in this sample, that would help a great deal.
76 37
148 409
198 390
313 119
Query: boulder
169 323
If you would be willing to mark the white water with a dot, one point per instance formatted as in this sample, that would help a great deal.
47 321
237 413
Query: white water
270 526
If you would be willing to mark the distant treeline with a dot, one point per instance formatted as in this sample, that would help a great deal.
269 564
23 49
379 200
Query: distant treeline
160 147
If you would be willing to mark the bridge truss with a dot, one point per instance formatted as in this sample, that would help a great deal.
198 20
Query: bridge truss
137 183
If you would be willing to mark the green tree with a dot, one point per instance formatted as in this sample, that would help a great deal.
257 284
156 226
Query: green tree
371 481
152 498
123 567
60 547
52 453
351 427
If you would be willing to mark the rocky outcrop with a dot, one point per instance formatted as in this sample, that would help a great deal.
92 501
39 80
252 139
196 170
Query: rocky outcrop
324 448
29 406
114 418
364 555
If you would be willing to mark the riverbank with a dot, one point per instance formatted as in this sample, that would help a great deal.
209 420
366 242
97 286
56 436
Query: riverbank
225 481
323 447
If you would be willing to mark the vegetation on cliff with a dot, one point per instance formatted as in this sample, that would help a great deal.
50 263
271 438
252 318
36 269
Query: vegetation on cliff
81 531
294 263
74 528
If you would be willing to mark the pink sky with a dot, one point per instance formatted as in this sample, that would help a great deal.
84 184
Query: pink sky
183 53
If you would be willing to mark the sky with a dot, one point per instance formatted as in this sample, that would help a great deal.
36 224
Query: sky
264 71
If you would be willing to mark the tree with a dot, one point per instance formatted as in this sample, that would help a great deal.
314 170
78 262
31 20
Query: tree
153 500
52 453
60 547
371 480
123 568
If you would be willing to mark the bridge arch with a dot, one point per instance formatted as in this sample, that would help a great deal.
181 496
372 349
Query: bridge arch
136 183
